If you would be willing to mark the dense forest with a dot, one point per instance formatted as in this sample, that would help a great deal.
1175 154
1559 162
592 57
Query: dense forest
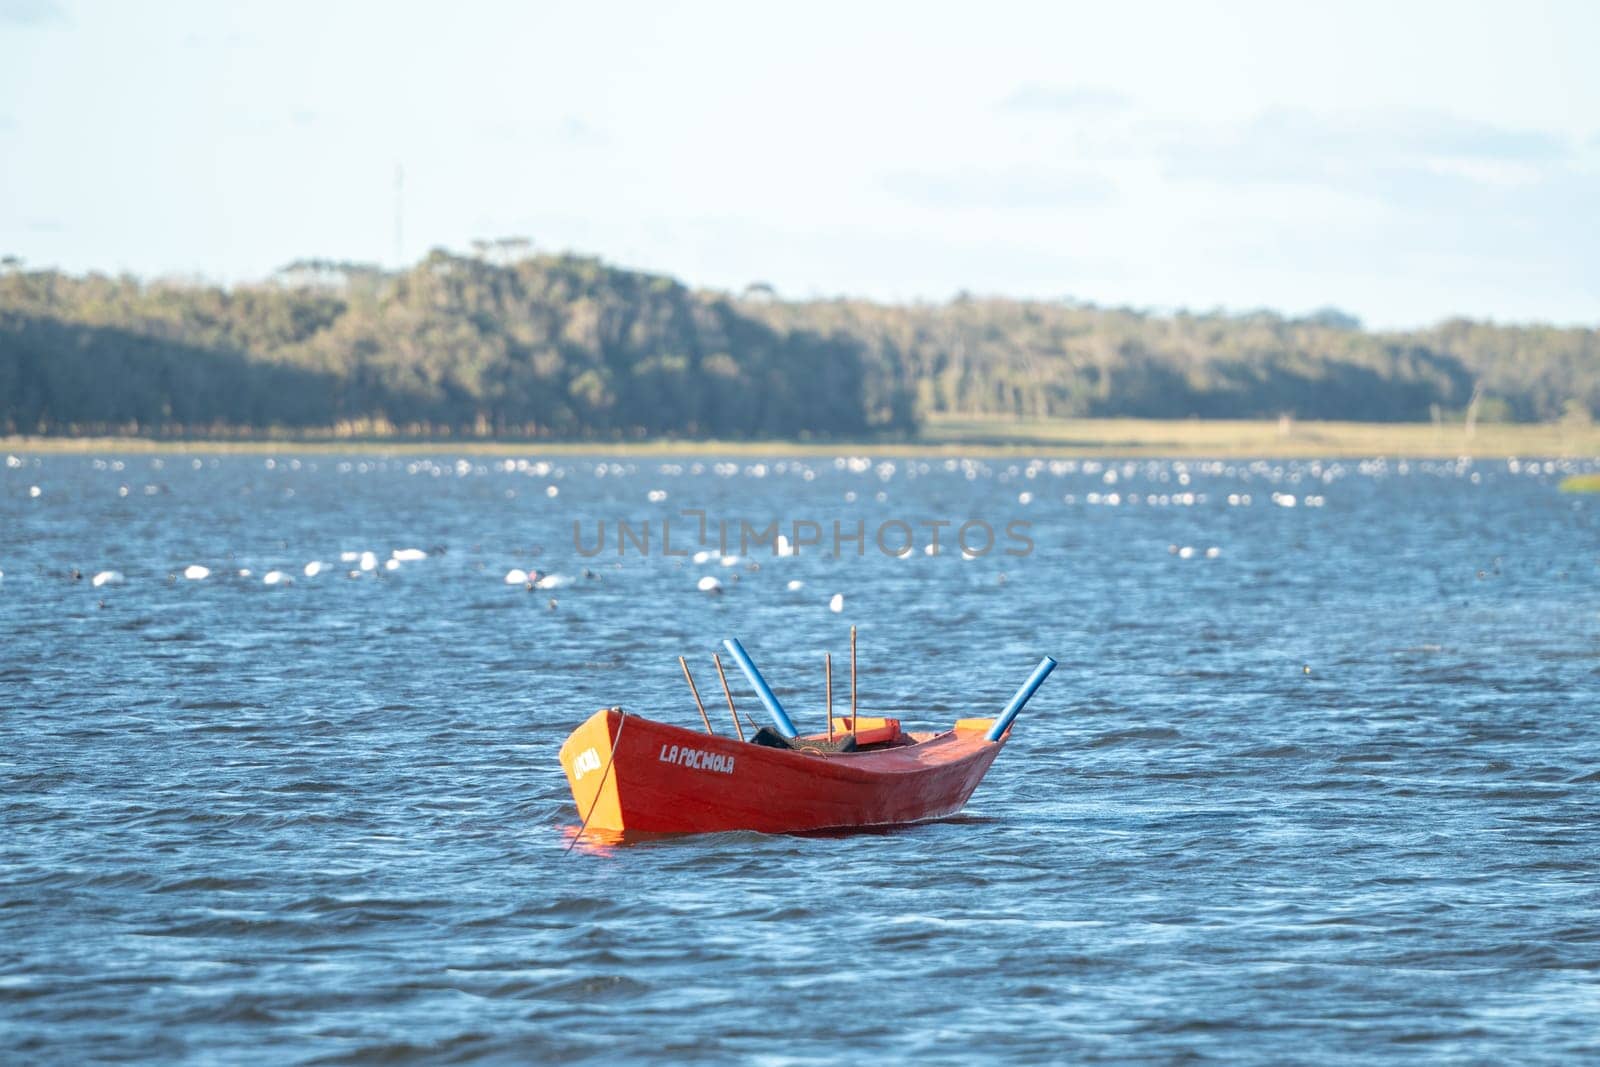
565 347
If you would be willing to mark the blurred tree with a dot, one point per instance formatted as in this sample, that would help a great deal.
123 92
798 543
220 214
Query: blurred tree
558 345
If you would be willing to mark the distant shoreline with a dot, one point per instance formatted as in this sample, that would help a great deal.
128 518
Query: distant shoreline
1192 438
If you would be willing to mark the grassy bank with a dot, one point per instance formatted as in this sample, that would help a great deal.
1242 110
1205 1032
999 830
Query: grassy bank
988 437
1229 438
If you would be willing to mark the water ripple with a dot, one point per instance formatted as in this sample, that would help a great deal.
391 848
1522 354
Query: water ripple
1327 795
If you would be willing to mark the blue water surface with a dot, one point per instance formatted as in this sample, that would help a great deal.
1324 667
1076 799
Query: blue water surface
1317 780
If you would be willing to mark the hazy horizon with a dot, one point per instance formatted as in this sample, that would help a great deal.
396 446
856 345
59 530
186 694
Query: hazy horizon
1404 167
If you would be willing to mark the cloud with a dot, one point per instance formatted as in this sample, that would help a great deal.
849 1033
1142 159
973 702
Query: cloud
1359 151
1469 139
214 41
32 12
1411 136
577 131
569 131
1012 188
1035 99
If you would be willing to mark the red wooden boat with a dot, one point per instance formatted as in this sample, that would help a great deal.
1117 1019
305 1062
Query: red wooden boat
630 773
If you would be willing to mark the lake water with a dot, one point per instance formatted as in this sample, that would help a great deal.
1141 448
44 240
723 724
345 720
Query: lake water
1328 793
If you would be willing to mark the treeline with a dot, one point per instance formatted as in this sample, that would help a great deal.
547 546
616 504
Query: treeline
1029 359
550 347
567 347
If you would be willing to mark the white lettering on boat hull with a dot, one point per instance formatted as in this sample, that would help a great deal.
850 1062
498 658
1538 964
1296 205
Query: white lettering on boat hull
697 759
588 760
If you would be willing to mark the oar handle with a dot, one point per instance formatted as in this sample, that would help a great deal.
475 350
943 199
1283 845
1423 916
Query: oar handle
1023 695
779 717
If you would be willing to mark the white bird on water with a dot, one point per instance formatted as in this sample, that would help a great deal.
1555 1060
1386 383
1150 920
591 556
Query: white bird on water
516 576
836 605
313 568
196 573
709 584
276 578
408 555
107 578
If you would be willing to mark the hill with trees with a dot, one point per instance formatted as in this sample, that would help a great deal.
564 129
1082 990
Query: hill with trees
566 347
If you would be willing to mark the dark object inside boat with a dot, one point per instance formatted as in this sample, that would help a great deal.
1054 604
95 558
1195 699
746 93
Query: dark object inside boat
767 737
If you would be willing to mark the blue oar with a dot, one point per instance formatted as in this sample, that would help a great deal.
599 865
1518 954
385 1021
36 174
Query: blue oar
763 690
1031 686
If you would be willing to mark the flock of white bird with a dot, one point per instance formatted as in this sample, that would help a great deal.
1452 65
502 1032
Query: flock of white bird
356 564
1121 483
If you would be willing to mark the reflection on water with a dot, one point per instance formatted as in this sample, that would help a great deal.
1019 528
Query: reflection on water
601 843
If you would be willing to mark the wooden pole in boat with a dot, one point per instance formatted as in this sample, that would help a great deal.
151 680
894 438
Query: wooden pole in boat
729 694
690 679
852 679
827 674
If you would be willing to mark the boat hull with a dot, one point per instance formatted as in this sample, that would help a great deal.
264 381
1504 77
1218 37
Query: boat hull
634 774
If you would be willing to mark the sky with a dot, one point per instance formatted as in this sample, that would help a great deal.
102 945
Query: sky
1405 162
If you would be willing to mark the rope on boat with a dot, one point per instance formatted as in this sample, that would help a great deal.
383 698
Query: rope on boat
616 743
